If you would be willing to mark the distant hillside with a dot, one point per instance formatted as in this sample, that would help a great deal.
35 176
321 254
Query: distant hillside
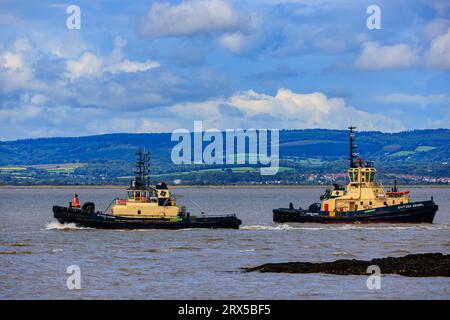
317 152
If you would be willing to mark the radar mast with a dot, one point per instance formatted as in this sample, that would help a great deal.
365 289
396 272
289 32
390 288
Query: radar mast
352 147
142 170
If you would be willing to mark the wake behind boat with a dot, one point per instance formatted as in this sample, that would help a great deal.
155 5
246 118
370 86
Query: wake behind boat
145 207
363 200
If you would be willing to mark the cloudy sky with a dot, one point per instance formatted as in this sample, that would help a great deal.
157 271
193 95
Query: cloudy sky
152 66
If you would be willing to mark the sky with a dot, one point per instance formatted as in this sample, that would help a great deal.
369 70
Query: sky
156 66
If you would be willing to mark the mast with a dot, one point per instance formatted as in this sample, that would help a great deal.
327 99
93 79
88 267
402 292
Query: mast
352 147
142 175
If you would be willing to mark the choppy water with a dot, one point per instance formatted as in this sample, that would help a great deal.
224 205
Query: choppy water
204 264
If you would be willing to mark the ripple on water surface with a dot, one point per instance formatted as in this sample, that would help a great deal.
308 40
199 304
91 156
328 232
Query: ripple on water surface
195 263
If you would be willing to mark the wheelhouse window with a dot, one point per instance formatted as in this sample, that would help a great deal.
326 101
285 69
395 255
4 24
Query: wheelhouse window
353 176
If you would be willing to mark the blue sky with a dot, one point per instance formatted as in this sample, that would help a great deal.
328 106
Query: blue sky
155 66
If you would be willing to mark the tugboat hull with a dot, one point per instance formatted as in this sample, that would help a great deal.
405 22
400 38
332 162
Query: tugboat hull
83 218
415 212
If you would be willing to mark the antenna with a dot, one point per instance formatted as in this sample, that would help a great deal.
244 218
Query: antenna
352 147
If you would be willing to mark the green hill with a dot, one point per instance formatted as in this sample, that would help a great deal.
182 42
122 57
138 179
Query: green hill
109 158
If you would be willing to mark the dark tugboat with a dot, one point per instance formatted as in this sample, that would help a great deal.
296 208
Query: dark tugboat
363 200
146 207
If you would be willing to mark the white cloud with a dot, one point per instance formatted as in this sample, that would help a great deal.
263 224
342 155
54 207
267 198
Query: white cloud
191 17
415 99
377 57
39 99
435 28
133 66
12 60
401 56
438 55
20 114
90 64
22 45
31 118
286 110
16 66
234 42
285 103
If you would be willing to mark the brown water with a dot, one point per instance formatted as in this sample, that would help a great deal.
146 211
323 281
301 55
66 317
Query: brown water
205 264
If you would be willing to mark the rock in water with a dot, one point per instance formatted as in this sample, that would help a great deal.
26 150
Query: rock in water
412 265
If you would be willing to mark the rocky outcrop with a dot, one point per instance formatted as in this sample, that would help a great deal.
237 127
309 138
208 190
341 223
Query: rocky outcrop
412 265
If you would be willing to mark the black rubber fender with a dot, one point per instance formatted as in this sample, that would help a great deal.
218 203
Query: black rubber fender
88 207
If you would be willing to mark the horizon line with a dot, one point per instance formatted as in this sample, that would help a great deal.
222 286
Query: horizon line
222 130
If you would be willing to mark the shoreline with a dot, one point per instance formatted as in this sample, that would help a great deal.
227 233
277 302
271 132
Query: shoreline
284 186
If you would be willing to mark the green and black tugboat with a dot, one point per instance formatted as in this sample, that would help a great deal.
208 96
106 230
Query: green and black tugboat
145 207
363 200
